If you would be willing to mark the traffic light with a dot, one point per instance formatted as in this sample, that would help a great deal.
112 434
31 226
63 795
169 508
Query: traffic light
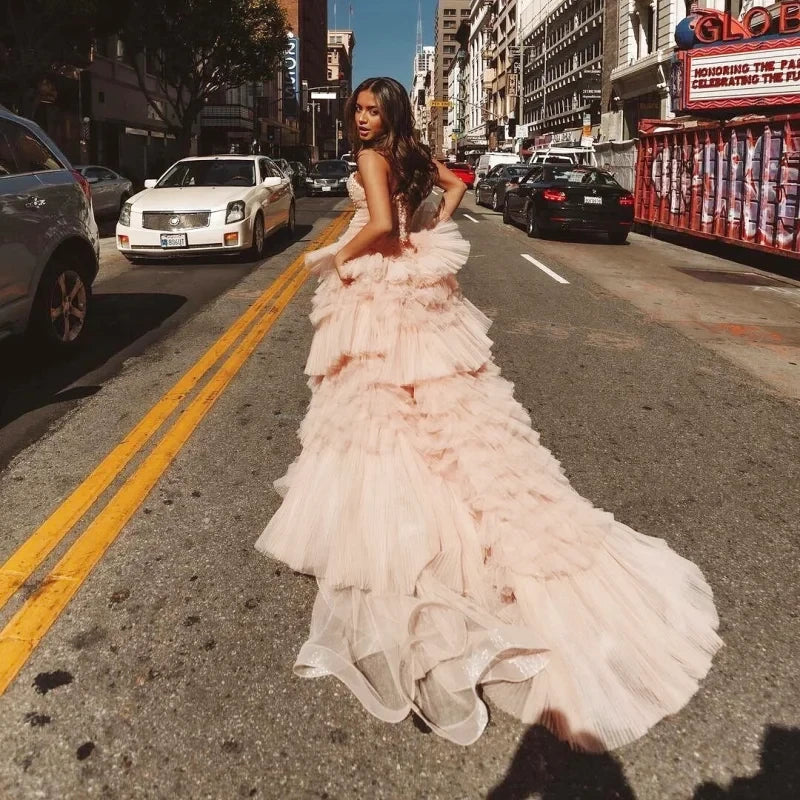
512 127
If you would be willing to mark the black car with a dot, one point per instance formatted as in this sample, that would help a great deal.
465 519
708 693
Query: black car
298 174
555 197
328 177
492 188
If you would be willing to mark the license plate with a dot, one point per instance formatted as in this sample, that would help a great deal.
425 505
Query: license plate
173 240
593 201
326 188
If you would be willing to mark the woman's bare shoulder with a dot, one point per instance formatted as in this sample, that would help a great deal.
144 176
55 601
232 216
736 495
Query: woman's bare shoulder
371 159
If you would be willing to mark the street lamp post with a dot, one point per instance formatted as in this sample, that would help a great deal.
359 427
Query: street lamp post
324 93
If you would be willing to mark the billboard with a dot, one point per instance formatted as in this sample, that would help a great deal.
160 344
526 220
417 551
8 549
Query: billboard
724 63
291 76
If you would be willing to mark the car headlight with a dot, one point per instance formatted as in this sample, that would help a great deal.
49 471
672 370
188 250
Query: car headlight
343 180
235 212
309 180
125 215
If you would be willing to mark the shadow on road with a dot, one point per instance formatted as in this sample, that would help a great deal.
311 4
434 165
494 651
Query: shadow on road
545 767
778 777
769 262
32 380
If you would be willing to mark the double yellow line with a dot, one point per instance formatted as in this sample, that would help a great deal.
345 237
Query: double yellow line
27 627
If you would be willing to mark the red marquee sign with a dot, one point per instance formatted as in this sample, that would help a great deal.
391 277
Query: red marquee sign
729 64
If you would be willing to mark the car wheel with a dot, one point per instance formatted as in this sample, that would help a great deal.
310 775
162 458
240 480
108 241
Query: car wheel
257 247
532 223
58 315
617 237
291 222
506 213
495 200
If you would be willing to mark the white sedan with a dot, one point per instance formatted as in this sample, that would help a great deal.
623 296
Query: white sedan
209 204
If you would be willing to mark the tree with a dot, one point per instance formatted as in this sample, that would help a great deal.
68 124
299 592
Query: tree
201 47
43 38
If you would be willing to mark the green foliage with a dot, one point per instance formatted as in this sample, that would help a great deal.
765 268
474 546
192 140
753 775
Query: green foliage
203 46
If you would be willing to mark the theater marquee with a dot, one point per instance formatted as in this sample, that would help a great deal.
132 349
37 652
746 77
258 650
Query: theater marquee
731 64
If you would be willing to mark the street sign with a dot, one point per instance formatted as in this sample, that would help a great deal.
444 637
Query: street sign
324 95
440 104
512 85
591 94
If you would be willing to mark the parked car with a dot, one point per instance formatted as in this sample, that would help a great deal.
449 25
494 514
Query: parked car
285 167
570 198
492 189
299 173
211 204
350 160
110 190
328 177
49 245
463 171
489 160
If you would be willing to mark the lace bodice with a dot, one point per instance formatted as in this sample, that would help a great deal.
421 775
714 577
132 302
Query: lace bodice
359 198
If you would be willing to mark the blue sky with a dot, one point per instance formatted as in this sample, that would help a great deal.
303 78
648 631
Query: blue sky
386 35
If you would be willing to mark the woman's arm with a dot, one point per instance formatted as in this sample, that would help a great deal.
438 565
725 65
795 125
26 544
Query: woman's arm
454 189
374 171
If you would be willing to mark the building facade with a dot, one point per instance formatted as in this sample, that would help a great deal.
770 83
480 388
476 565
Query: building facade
341 47
121 130
421 91
449 14
308 20
639 78
562 47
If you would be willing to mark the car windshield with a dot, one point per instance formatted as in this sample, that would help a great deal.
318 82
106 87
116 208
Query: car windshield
331 169
227 172
576 175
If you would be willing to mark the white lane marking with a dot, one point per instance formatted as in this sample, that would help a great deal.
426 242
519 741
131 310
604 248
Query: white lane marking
555 276
472 218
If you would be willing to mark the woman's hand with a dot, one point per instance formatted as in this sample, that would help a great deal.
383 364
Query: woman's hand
454 189
339 261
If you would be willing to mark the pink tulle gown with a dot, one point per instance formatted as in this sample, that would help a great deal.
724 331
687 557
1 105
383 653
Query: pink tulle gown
454 560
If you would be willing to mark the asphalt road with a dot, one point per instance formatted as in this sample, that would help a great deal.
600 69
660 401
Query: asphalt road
671 398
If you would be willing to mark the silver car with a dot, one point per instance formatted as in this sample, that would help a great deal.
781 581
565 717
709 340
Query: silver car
110 191
49 245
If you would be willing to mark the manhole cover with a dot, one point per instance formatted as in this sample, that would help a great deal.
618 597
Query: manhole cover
741 278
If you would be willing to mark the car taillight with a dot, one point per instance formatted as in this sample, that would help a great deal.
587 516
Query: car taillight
84 184
554 195
626 200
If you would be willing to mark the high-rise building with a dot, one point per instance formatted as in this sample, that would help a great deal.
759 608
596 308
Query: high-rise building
308 20
341 44
424 62
449 15
562 66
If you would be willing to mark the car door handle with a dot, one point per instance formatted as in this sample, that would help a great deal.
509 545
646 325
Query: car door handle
35 202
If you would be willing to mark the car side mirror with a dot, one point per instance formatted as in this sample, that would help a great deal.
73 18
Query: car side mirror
150 183
481 174
270 181
514 180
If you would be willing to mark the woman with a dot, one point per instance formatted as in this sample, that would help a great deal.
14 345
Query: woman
453 558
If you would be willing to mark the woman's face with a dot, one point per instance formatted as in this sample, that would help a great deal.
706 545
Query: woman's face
368 117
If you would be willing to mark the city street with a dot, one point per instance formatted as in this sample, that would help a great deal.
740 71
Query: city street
666 380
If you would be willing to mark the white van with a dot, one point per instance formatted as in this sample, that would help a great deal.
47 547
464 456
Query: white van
489 160
564 155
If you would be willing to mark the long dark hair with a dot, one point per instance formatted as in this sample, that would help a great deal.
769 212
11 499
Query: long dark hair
410 160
